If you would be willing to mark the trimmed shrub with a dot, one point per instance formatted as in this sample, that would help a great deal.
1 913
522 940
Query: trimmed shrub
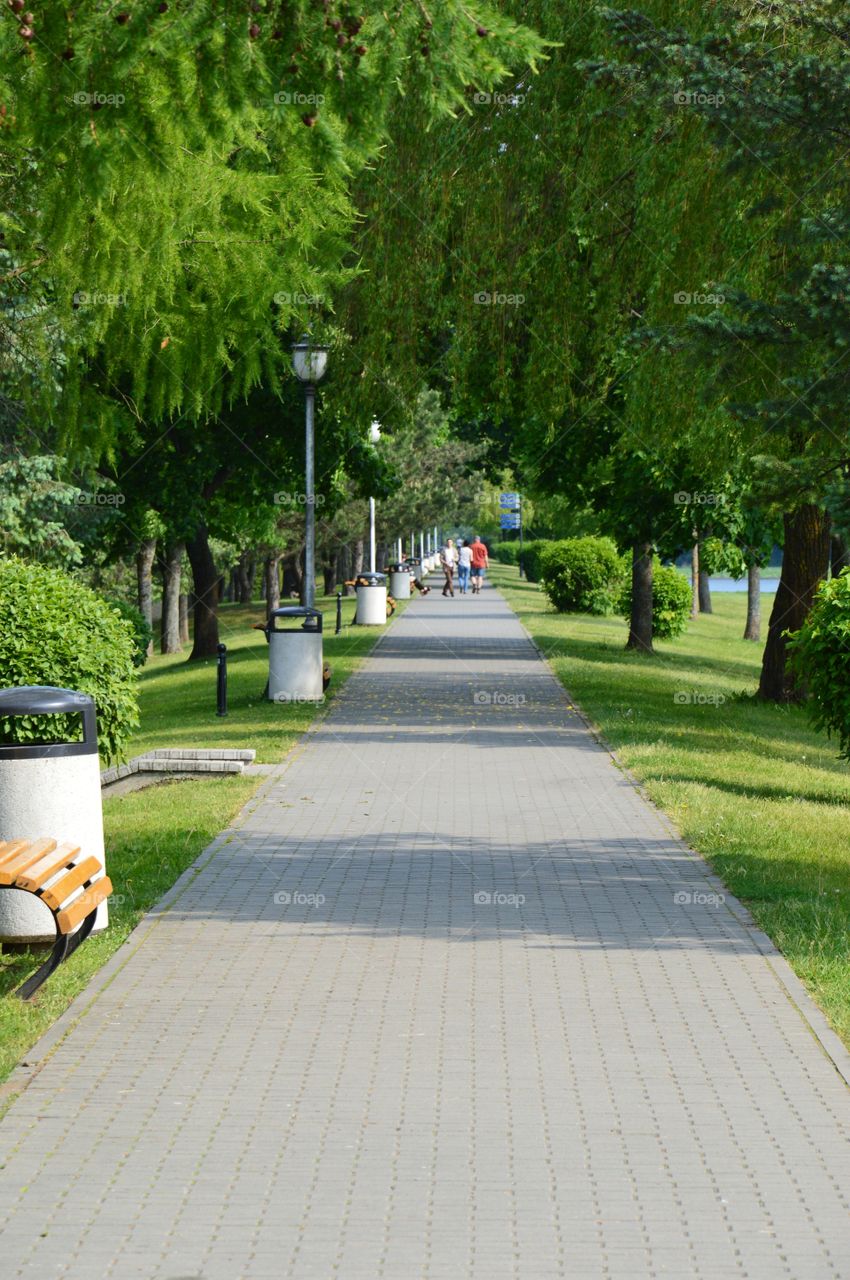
671 601
55 631
531 553
142 630
820 659
581 575
506 553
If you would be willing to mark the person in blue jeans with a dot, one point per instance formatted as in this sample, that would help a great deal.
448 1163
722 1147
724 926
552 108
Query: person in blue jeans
480 561
464 565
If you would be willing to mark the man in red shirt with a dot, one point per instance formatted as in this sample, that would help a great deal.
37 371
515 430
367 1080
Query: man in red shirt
480 562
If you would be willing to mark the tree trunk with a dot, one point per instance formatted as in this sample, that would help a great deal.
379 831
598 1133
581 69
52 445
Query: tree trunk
839 554
144 581
695 580
349 568
271 583
170 624
804 564
752 630
329 573
292 576
640 627
245 570
184 619
704 593
206 582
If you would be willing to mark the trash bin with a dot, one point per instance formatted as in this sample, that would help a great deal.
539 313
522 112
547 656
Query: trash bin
49 789
400 581
371 600
294 634
416 567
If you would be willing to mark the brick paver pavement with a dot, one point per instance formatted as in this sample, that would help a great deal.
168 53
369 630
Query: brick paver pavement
452 1001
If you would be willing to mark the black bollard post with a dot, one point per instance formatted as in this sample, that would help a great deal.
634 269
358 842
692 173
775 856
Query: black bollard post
338 612
222 680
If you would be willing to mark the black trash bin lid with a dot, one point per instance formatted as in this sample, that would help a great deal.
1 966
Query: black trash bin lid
399 566
311 618
372 579
45 700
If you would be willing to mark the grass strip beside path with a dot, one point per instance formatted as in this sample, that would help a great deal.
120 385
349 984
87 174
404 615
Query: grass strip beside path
153 835
749 785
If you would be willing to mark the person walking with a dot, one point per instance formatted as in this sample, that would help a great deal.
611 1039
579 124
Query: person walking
448 559
464 564
480 562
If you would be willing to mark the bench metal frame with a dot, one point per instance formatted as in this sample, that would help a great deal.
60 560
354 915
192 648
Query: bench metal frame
65 945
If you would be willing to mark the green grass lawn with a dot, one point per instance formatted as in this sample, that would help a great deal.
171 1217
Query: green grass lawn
749 785
154 834
178 699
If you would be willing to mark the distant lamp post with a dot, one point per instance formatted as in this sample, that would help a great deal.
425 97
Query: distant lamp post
309 361
374 437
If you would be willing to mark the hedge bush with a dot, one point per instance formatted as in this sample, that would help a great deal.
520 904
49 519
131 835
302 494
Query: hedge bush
581 575
506 553
671 601
820 659
55 631
531 558
142 630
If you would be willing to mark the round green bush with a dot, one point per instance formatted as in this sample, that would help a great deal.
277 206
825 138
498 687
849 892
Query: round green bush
142 630
671 601
506 553
581 575
55 631
820 659
531 553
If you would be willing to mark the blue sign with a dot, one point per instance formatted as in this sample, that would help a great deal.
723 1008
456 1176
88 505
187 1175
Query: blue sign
509 520
509 500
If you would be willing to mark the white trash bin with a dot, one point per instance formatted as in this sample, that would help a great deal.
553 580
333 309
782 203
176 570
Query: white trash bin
399 581
371 600
296 668
53 790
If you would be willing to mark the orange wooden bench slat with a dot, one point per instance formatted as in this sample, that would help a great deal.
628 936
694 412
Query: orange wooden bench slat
40 872
10 847
24 858
68 919
62 889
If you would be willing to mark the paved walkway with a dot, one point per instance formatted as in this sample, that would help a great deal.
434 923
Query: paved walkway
439 1008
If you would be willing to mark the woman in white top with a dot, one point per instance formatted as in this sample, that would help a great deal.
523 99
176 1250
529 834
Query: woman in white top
464 564
448 559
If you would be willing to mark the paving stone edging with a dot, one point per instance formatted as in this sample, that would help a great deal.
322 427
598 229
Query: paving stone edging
177 760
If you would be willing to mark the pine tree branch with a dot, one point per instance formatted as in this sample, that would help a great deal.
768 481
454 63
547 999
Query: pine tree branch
19 271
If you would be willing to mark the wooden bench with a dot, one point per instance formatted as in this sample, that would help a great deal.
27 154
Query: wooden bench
65 884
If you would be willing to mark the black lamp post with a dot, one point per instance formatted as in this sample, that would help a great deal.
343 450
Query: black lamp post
309 361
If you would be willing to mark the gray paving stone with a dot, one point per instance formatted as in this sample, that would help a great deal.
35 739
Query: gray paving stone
432 1009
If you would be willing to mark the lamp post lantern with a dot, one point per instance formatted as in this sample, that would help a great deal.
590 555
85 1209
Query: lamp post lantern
309 361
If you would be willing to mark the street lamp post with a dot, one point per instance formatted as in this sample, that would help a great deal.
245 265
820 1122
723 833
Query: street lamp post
309 361
374 437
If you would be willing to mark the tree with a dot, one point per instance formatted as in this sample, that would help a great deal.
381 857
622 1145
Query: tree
775 355
227 139
35 510
540 258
